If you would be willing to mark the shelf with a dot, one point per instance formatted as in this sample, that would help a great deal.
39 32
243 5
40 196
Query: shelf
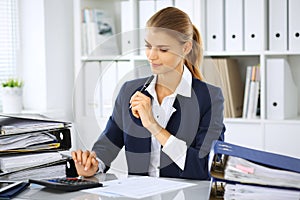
224 53
143 57
242 120
265 121
112 58
268 53
104 58
280 53
285 121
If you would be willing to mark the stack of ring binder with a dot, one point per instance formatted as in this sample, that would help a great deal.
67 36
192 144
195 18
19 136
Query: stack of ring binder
239 172
29 147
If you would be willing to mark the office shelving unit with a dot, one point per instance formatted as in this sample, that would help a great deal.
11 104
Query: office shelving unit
280 136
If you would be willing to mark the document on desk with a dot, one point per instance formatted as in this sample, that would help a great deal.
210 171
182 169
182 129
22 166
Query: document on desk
138 187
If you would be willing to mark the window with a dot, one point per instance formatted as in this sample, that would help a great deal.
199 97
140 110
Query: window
9 39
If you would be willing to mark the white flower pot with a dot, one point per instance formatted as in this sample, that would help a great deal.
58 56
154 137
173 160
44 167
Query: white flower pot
12 100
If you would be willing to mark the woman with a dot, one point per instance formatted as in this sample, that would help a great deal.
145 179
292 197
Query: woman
167 129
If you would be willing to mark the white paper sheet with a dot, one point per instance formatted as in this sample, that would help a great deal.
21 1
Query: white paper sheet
138 187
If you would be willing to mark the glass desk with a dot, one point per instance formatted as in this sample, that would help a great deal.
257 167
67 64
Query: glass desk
36 192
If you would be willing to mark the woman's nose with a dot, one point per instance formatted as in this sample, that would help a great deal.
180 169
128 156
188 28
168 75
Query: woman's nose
152 54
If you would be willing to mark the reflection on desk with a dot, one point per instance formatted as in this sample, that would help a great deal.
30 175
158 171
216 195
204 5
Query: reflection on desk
199 191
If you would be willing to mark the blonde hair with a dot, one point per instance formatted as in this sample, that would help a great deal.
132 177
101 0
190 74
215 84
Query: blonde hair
174 19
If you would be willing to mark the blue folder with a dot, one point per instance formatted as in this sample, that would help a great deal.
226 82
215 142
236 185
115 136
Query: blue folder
10 193
221 150
262 157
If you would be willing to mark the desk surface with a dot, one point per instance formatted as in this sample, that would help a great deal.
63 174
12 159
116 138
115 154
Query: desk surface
35 192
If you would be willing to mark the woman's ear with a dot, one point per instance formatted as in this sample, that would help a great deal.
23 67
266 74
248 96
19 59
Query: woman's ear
187 47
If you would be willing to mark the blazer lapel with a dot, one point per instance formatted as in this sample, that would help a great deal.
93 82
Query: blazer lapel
174 121
184 122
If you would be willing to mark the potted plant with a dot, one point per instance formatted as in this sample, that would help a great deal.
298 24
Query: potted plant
12 96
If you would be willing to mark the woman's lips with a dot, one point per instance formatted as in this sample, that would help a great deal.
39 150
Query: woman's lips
155 65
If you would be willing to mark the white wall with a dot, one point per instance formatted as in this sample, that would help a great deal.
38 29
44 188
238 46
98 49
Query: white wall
33 53
47 56
59 54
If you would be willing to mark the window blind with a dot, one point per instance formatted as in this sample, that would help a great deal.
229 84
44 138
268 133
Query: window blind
9 39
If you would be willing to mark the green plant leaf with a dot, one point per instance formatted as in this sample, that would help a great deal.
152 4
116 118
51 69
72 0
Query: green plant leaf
12 83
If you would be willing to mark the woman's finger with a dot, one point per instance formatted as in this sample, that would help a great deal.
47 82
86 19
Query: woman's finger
88 162
74 156
85 156
79 156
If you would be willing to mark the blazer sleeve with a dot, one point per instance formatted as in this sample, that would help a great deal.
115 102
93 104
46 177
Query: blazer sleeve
110 142
210 128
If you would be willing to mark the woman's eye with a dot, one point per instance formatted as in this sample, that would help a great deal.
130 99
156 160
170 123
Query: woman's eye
148 46
164 50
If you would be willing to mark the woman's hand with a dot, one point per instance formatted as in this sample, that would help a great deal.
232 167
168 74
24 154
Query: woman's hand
141 108
85 162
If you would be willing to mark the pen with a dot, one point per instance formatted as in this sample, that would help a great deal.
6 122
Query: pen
147 83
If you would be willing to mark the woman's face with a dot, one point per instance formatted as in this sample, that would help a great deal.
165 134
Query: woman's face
163 51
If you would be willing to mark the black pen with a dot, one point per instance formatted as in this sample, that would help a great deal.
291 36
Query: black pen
147 83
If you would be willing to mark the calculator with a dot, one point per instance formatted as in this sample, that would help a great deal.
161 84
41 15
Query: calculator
67 184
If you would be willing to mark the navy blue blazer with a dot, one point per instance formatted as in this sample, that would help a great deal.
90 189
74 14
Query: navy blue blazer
197 120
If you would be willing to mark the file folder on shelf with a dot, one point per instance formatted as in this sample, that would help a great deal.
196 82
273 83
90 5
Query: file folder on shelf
234 35
236 165
282 95
278 25
294 25
215 25
128 41
146 10
254 22
187 7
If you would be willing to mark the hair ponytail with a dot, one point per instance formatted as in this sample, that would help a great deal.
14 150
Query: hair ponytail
193 60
